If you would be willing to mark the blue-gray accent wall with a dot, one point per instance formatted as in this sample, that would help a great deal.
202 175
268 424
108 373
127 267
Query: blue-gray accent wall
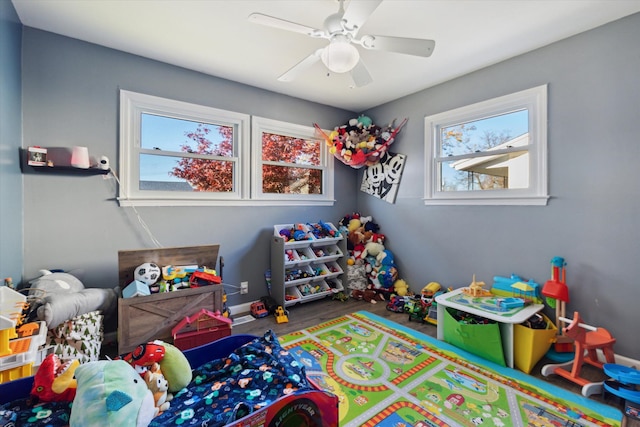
70 97
11 204
594 181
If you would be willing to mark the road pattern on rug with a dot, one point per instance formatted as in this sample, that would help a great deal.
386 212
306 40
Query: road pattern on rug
387 375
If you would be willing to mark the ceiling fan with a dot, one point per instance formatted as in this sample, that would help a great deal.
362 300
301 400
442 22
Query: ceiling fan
341 29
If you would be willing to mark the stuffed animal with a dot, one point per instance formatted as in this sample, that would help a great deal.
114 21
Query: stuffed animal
175 367
372 296
401 288
54 381
111 393
62 296
159 386
173 363
372 249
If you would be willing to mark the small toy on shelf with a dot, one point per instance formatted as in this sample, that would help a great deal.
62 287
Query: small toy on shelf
587 339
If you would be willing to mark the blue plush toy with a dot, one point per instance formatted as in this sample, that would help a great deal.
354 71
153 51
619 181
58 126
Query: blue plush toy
111 393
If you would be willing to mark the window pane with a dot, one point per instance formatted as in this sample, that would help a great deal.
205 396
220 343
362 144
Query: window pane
287 180
171 173
178 135
484 134
509 170
283 148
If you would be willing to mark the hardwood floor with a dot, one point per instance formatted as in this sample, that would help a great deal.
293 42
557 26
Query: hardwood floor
305 315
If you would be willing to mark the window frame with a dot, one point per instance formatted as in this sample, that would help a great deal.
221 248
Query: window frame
535 101
246 176
260 125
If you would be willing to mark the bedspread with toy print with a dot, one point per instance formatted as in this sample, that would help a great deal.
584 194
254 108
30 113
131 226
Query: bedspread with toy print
222 391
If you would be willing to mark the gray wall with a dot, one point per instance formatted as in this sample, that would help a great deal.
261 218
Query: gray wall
70 97
10 142
592 217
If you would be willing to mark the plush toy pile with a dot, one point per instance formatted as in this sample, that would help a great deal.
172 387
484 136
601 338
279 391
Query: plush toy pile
359 142
372 273
131 390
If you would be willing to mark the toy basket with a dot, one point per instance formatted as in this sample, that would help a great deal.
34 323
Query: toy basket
483 340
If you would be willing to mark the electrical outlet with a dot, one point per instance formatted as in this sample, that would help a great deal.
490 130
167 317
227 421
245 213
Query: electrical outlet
244 288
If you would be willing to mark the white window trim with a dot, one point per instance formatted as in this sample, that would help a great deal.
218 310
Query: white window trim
535 101
133 104
260 125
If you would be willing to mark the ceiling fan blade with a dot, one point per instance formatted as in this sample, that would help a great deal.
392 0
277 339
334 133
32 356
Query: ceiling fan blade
301 66
360 75
358 12
408 46
270 21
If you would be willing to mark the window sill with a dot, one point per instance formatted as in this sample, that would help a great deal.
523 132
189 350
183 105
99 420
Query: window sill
181 202
489 201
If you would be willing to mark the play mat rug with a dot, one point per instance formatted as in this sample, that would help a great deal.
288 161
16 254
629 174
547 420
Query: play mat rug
387 375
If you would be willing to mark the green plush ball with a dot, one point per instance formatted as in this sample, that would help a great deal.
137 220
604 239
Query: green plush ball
175 367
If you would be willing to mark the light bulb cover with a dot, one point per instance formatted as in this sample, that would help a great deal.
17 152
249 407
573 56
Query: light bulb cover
340 56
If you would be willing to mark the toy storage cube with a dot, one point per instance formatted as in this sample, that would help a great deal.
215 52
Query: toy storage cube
483 340
529 345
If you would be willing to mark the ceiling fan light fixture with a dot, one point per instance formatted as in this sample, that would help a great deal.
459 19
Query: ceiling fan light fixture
340 56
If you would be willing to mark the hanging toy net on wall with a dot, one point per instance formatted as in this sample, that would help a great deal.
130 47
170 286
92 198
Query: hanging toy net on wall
359 142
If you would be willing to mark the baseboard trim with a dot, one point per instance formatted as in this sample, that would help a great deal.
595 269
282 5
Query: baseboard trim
240 308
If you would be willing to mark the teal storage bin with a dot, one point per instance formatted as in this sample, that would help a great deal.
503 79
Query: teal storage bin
483 340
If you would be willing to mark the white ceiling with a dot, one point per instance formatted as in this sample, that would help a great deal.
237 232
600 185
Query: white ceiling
215 37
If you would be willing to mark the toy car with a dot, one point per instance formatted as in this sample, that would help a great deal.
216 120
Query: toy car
201 278
258 310
396 304
281 315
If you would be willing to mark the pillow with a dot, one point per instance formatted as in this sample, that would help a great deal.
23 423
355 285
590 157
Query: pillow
111 393
59 308
79 338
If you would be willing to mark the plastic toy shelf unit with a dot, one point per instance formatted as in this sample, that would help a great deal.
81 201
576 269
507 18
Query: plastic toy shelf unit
307 262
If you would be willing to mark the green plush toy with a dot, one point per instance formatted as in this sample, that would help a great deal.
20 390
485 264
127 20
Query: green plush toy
111 393
175 367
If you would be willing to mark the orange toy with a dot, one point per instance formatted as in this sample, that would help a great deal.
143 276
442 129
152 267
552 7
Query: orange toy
587 340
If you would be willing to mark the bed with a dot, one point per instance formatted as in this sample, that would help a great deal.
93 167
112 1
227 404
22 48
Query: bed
280 395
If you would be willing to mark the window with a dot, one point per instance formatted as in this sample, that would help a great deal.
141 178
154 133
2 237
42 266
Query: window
177 153
291 162
489 153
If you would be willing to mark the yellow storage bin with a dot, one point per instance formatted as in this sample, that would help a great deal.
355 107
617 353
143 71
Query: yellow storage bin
529 345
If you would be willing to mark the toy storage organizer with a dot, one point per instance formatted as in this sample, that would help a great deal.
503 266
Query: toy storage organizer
483 340
145 318
531 344
306 270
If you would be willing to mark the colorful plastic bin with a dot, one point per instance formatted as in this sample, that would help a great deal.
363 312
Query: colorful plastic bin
483 340
529 345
